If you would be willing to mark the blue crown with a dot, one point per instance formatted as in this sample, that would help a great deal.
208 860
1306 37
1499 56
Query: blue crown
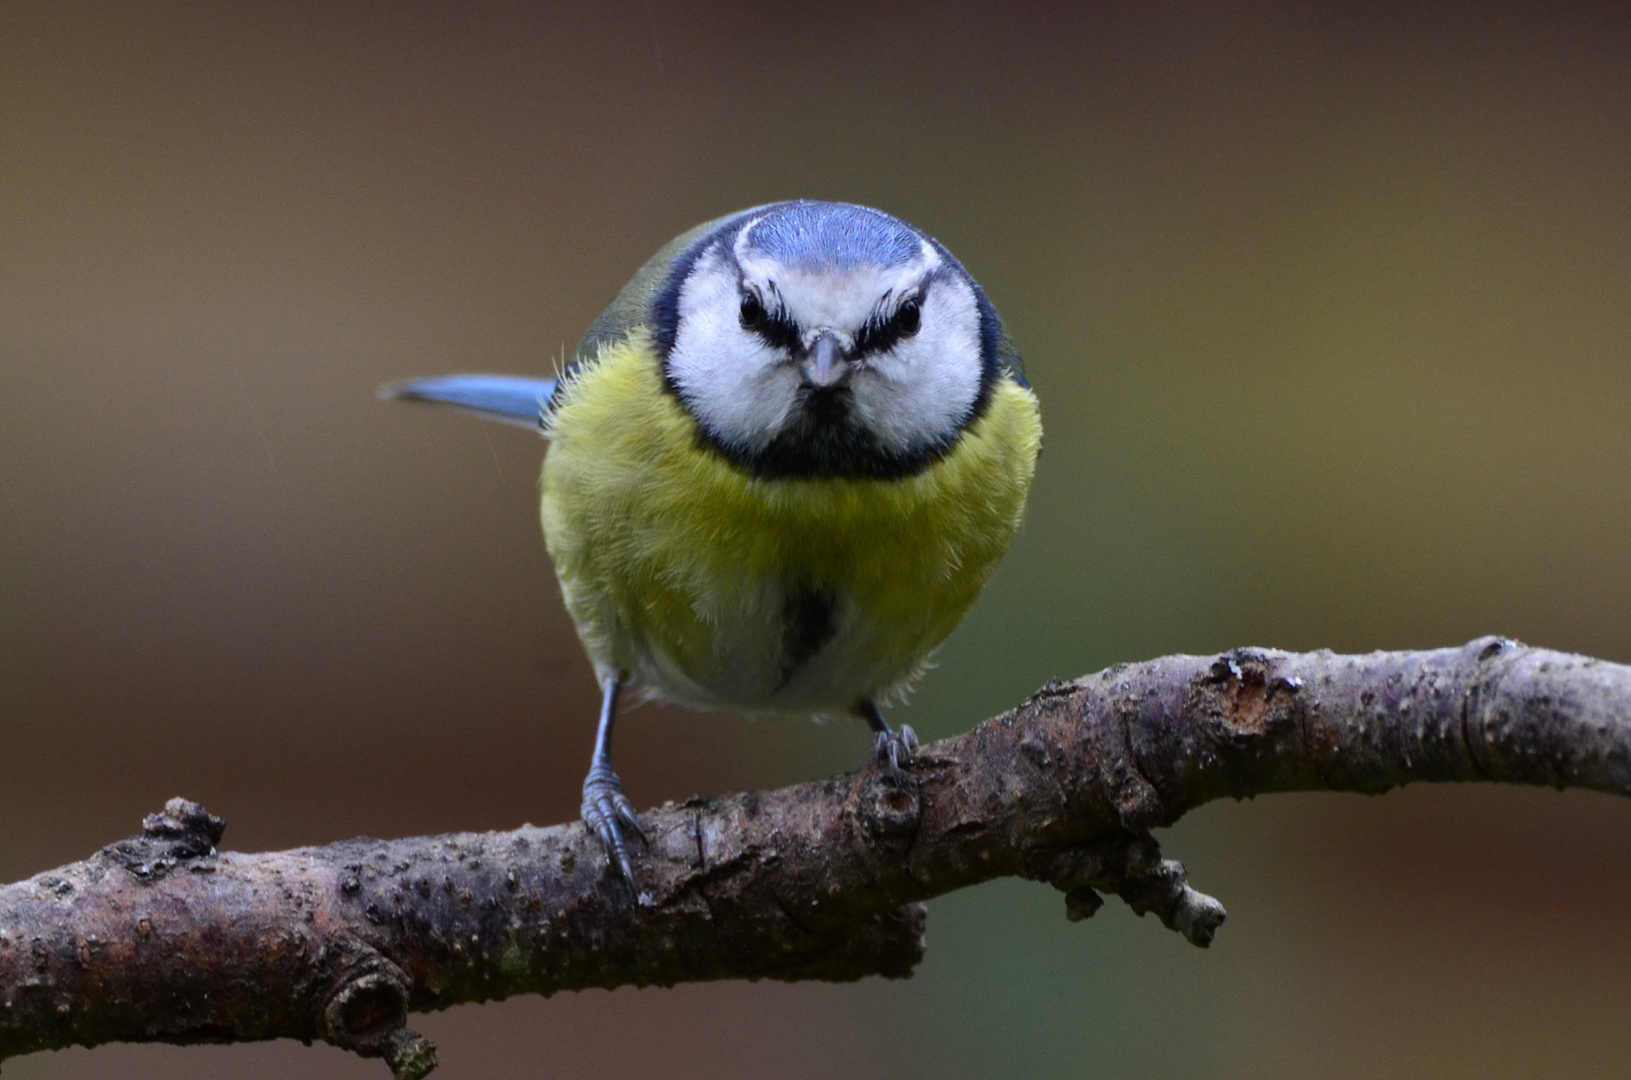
814 234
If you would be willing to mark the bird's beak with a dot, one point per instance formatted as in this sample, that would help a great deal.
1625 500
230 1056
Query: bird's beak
824 365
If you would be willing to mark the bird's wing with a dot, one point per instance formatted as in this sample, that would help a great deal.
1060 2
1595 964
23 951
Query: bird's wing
508 399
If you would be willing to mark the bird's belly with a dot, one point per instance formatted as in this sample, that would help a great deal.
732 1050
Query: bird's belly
810 616
775 646
711 587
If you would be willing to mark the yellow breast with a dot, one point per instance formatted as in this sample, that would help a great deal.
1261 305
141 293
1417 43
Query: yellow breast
690 577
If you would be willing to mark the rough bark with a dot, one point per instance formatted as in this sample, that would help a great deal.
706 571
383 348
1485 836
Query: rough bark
164 938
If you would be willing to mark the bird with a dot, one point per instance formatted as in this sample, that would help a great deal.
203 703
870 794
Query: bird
781 466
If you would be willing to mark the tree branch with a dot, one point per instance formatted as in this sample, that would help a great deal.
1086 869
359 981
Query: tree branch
162 938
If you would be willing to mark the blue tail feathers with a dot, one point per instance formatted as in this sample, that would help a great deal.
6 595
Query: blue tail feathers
508 399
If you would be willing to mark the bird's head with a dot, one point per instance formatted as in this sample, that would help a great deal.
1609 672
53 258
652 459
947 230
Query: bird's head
823 339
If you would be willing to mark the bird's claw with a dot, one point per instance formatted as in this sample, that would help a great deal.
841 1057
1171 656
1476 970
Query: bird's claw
607 811
895 748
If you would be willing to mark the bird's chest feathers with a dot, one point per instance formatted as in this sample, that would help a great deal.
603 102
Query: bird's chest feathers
661 543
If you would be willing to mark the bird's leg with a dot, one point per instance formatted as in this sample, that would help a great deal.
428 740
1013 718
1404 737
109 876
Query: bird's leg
887 744
605 808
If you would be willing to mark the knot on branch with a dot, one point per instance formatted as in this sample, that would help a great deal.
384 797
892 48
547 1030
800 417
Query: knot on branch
193 829
890 804
182 833
1133 869
1247 697
367 1013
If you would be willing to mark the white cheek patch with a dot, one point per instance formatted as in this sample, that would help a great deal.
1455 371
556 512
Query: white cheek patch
921 391
739 388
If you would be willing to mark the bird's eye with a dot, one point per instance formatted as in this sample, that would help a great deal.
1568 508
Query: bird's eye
754 315
909 318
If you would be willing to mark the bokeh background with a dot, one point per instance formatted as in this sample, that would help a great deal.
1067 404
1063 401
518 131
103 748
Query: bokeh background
1329 307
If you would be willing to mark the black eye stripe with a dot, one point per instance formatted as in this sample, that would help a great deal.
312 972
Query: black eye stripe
773 327
881 335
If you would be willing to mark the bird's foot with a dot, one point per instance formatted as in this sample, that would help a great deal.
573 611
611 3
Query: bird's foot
607 812
895 748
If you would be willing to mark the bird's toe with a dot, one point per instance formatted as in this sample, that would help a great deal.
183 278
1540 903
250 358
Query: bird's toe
607 812
895 748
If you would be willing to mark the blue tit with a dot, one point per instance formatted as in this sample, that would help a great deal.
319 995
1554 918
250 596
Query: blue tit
781 466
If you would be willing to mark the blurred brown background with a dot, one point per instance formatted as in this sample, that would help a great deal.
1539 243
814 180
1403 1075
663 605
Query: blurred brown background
1330 313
